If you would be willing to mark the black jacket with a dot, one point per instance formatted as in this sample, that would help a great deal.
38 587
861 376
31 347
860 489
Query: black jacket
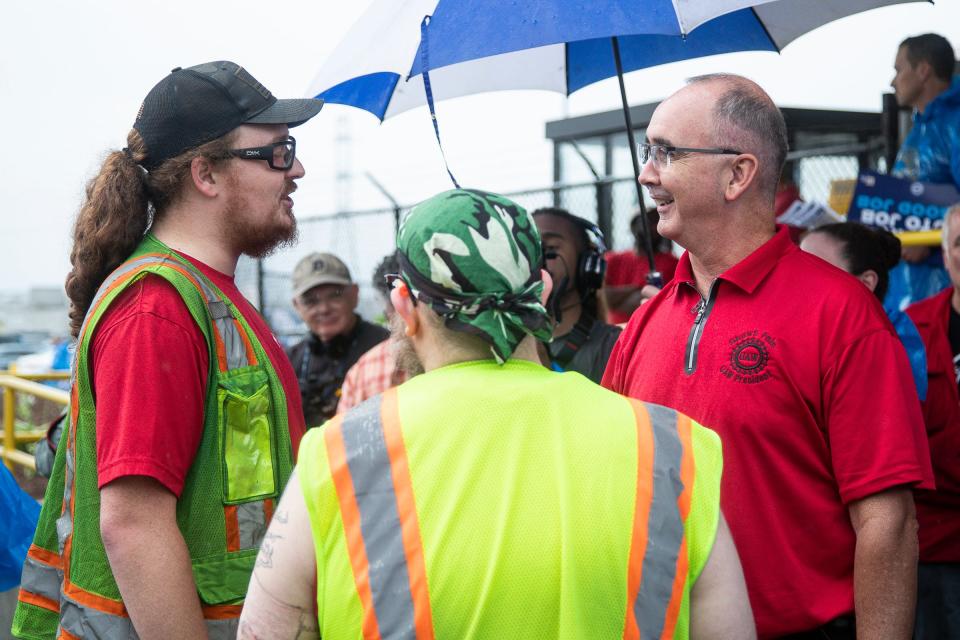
321 367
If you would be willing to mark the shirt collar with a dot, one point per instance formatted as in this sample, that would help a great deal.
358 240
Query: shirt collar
749 272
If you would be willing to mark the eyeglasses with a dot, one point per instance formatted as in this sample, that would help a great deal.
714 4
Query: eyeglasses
317 298
394 280
279 155
663 154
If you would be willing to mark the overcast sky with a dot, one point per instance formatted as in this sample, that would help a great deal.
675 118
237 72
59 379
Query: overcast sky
73 73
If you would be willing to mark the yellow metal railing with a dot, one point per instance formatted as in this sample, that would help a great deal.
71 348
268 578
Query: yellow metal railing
916 238
12 384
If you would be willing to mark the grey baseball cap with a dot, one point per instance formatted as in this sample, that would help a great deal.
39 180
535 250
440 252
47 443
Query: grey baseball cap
319 268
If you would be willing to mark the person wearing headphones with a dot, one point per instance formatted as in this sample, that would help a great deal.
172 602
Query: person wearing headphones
573 255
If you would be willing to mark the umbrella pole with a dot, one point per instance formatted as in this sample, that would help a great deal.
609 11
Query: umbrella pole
654 277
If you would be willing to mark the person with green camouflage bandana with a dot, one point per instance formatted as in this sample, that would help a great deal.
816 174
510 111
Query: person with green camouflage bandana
475 258
490 497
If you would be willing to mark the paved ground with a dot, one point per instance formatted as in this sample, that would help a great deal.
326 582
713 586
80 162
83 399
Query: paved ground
8 600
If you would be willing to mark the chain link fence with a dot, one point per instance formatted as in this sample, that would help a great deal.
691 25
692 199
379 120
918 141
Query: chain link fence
362 238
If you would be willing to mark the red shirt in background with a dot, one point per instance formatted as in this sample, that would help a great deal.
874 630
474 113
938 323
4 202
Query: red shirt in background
150 366
799 371
628 268
939 511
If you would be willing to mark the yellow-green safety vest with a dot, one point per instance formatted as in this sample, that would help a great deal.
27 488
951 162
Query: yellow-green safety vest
480 501
241 466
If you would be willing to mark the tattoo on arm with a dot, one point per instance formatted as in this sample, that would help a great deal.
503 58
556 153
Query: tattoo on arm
275 619
265 557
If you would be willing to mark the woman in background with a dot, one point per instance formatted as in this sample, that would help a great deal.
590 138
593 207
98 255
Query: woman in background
869 254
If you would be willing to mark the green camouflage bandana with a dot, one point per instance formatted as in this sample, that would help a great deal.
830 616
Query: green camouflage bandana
475 258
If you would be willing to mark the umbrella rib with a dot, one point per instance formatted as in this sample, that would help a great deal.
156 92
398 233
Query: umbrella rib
776 46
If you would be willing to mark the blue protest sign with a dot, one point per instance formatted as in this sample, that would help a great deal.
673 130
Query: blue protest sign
896 204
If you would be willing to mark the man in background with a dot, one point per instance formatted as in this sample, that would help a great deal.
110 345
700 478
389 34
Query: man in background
376 370
573 255
325 297
627 270
938 578
925 82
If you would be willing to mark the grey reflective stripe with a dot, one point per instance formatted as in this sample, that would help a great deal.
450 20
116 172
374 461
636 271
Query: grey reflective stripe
369 464
41 579
65 521
91 624
223 629
665 530
233 343
252 523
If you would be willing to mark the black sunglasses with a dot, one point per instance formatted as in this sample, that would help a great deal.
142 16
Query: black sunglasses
279 155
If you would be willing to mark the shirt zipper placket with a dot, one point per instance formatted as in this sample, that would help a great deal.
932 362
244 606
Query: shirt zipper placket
696 331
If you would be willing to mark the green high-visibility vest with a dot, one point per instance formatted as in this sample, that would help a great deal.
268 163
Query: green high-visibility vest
241 466
487 501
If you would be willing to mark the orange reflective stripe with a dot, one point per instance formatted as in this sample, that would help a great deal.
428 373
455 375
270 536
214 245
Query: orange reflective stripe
222 611
40 554
687 471
38 601
268 510
94 601
641 515
233 527
350 514
66 635
409 525
251 354
217 338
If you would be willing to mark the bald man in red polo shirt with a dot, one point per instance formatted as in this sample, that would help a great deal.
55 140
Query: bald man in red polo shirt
793 363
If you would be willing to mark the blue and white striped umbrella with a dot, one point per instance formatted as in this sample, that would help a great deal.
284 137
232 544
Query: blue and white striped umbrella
476 46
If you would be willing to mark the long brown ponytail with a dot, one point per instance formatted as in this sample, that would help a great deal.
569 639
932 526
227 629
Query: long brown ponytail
121 201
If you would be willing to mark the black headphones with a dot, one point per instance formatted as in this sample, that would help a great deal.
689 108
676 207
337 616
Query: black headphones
591 265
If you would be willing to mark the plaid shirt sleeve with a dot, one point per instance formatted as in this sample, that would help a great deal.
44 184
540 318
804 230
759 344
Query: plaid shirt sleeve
373 373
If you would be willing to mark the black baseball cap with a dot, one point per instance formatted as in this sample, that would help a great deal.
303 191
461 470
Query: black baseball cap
198 104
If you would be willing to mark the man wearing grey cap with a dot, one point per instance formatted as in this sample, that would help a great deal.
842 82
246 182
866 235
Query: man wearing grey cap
326 297
185 414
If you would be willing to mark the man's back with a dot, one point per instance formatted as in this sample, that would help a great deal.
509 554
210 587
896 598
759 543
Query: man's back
525 486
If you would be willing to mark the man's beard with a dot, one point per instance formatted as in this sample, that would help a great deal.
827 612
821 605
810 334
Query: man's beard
404 355
253 237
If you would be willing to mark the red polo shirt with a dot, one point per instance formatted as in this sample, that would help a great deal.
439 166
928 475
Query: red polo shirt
939 511
797 368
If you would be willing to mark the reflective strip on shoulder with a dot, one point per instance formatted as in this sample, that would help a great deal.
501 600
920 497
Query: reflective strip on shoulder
369 468
655 551
233 347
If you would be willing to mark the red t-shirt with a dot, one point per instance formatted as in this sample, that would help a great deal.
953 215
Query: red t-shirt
938 512
801 374
627 268
150 366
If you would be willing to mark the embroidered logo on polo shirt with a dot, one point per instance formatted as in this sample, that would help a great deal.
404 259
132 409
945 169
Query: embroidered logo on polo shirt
749 356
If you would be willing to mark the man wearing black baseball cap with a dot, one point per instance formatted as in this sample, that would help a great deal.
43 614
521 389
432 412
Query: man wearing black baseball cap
185 413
